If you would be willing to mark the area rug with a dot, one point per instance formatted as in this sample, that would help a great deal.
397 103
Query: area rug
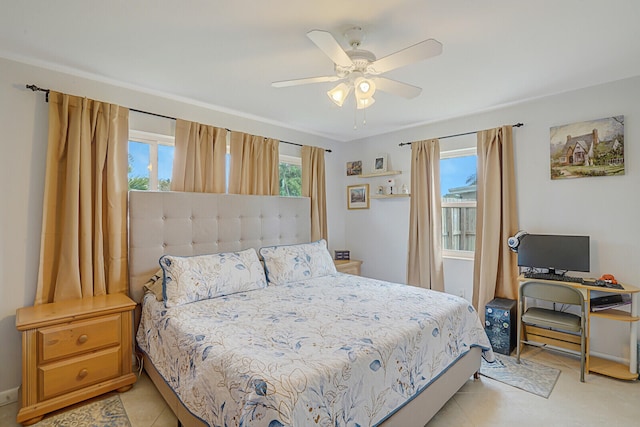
108 412
526 375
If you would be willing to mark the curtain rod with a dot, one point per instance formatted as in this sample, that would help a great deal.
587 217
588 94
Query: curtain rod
46 91
517 125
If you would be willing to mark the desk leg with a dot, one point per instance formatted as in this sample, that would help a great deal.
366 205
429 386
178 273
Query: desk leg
633 336
588 332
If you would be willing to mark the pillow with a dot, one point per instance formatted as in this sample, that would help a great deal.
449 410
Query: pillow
154 285
291 263
191 279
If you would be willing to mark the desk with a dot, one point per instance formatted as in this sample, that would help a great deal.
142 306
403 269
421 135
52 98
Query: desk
596 364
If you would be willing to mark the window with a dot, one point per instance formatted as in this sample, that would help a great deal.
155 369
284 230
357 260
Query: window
458 179
290 176
150 161
151 164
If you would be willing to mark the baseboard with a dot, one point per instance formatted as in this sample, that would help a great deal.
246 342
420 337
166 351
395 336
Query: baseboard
622 360
9 396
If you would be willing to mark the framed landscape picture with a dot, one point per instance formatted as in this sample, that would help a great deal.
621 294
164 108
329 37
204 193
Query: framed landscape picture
358 196
591 148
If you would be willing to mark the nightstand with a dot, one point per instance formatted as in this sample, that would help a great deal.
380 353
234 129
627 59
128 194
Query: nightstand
74 350
348 266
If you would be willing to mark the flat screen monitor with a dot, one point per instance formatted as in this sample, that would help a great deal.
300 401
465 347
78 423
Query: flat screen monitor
554 252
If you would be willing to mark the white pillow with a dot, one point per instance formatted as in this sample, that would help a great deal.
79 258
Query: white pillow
190 279
290 263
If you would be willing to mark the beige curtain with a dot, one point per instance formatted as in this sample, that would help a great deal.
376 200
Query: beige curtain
84 235
313 186
495 267
254 167
199 158
424 266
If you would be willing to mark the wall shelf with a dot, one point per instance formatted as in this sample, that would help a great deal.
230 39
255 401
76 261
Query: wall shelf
376 174
388 196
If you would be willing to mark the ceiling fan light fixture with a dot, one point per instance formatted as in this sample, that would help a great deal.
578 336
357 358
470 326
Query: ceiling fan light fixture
365 88
363 103
339 93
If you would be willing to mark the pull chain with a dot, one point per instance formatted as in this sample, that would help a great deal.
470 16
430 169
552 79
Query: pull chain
355 117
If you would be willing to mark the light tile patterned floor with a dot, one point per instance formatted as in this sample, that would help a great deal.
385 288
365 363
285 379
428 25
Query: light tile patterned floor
600 401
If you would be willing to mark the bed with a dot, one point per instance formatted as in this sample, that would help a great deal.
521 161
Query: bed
313 347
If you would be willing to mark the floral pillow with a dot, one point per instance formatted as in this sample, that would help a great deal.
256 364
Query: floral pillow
291 263
190 279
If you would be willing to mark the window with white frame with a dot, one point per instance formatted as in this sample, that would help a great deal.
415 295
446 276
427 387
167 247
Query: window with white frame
290 176
150 161
458 179
151 164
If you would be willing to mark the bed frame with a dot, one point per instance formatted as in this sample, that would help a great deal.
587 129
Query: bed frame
180 223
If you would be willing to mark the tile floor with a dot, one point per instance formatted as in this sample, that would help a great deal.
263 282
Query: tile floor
600 401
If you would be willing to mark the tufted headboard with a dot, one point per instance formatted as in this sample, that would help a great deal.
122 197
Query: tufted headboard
180 223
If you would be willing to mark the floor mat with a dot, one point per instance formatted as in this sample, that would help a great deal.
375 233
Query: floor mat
526 375
108 412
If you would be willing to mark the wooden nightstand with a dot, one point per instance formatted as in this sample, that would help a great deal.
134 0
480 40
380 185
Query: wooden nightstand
72 351
348 266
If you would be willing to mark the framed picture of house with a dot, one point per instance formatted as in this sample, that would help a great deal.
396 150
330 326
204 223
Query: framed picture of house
380 163
354 168
358 196
590 148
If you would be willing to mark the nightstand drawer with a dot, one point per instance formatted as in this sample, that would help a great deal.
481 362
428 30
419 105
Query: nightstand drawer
68 375
78 337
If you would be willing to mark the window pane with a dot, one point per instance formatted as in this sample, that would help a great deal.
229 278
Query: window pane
459 228
458 179
290 180
138 166
165 166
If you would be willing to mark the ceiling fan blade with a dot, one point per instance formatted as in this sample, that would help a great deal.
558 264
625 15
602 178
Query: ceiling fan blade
297 82
418 52
397 88
328 44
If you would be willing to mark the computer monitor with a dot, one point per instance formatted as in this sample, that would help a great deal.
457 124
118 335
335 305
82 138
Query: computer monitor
554 252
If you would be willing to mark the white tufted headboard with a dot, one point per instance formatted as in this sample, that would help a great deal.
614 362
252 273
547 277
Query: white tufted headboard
180 223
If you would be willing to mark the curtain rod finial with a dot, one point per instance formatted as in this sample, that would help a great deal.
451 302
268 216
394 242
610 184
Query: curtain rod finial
35 88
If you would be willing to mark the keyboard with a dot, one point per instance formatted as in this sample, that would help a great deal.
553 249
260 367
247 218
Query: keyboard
551 276
602 284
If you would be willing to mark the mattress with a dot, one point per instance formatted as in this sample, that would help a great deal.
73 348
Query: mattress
338 350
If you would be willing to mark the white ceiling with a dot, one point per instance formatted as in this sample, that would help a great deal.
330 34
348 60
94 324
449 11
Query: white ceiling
227 53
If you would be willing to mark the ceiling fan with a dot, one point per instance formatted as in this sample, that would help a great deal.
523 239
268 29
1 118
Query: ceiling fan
359 70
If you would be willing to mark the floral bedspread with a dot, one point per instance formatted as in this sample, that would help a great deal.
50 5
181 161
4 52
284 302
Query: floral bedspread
338 350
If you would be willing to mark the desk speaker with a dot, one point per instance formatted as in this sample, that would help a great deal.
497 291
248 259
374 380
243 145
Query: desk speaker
501 325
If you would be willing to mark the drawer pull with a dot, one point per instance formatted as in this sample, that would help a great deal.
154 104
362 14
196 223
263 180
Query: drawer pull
83 339
83 373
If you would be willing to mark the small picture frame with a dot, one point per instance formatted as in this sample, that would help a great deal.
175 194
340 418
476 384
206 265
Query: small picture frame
358 196
354 168
380 163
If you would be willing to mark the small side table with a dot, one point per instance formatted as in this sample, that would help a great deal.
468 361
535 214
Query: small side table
348 266
74 350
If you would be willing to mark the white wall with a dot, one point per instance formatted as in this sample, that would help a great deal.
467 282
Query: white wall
605 208
24 121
